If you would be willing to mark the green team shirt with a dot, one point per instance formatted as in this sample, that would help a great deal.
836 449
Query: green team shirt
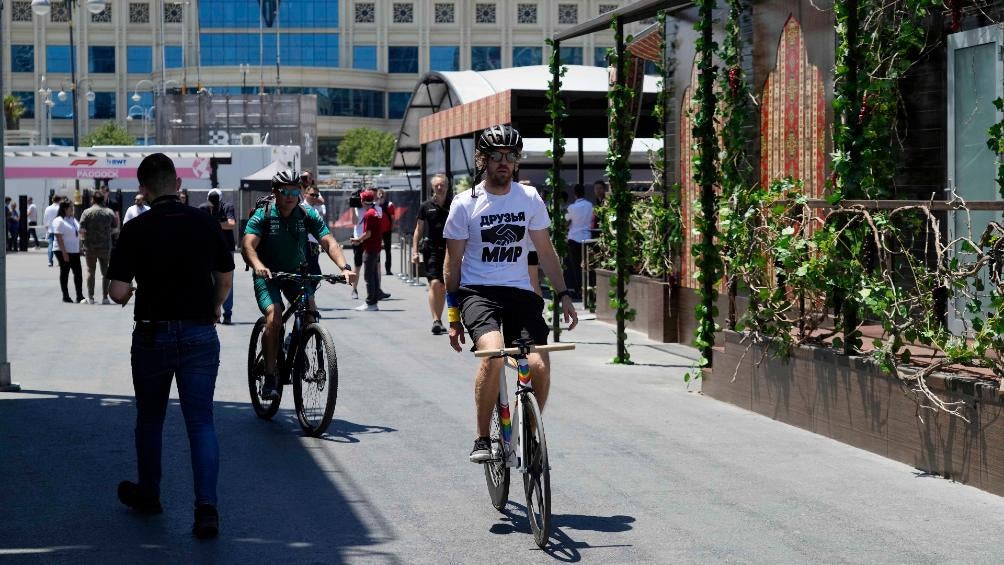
284 240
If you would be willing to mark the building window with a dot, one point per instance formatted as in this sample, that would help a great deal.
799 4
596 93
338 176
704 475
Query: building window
28 101
104 16
145 100
364 57
139 13
526 13
298 49
604 8
244 14
365 12
22 58
526 56
600 56
173 55
444 58
485 58
62 109
173 13
446 13
568 14
402 59
404 12
57 58
102 107
397 104
101 59
139 59
484 13
60 12
571 55
20 11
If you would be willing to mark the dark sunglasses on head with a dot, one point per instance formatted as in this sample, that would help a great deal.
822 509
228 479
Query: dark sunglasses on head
290 191
497 156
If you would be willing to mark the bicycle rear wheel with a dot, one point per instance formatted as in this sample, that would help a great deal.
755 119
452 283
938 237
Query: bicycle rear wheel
496 471
256 374
315 380
537 477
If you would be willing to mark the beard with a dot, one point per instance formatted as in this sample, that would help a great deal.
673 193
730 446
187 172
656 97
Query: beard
501 178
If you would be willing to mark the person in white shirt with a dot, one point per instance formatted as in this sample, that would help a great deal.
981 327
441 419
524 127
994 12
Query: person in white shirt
580 219
67 248
488 288
312 198
33 220
49 216
136 209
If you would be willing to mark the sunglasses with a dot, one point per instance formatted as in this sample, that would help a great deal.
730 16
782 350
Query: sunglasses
497 156
290 191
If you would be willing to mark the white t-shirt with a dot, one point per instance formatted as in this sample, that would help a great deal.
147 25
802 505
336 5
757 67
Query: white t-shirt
70 230
496 230
357 230
32 212
134 211
49 216
580 216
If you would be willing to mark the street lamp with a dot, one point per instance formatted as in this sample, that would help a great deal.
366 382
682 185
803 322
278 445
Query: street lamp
45 95
146 114
41 8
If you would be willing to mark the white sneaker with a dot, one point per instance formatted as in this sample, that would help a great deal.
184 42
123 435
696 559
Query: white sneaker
367 308
105 301
87 301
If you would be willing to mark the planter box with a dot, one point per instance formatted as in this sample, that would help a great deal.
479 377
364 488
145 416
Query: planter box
654 303
851 400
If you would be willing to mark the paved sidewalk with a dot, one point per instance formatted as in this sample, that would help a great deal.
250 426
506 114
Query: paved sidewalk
644 469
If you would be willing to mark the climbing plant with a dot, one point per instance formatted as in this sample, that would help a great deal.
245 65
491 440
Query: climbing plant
996 144
556 112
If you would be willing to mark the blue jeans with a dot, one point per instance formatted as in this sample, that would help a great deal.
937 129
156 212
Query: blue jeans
191 351
52 241
228 304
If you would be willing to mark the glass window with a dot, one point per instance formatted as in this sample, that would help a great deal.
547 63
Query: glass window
57 58
62 109
526 56
298 49
139 59
101 59
172 57
22 58
364 57
444 58
401 59
600 56
28 101
102 107
486 58
571 55
145 99
245 14
397 103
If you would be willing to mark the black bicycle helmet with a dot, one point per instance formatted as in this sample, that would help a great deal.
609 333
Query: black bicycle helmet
500 137
287 177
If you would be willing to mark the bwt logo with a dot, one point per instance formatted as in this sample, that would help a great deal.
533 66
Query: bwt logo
83 162
115 161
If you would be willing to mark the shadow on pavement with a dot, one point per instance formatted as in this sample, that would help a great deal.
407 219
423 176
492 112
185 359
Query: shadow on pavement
562 547
63 454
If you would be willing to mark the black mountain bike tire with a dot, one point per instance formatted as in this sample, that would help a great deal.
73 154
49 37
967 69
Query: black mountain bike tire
312 336
496 471
256 374
537 478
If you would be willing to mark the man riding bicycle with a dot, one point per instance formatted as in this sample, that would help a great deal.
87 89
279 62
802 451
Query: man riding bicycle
488 232
275 239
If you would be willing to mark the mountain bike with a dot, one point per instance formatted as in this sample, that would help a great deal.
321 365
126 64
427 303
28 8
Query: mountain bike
306 360
527 452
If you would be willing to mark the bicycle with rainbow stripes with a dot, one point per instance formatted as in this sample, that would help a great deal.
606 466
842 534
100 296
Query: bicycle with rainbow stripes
527 452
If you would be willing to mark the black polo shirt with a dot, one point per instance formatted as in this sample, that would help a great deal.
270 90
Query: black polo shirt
434 217
172 251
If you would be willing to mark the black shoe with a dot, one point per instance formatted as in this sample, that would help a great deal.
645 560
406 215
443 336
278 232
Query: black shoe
437 328
482 450
389 274
384 295
68 300
207 522
131 496
270 388
227 320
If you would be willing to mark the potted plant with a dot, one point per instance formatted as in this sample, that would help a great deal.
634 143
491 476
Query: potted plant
13 109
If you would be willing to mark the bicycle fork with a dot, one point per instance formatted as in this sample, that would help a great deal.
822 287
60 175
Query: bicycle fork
511 449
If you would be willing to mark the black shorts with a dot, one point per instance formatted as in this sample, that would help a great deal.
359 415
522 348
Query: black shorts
433 259
532 259
357 256
490 308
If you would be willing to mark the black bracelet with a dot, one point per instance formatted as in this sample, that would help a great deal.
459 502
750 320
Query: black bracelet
345 267
563 294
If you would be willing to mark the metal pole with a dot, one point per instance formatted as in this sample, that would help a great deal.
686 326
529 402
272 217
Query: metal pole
278 81
73 81
580 176
163 51
556 186
447 165
619 210
5 383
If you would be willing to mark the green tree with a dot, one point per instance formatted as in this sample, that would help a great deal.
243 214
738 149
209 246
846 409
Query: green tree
366 147
109 134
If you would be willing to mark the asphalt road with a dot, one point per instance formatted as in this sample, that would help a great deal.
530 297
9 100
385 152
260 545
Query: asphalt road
644 470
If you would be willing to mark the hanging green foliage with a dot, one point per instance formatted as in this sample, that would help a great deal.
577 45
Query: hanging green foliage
996 144
555 184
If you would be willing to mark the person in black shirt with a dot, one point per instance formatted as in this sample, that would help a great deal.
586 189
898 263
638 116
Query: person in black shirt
184 271
224 214
428 239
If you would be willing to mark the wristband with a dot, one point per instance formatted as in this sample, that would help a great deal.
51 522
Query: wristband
453 314
345 267
451 300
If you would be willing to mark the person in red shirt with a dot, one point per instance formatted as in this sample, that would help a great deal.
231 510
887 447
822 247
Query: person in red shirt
388 225
371 240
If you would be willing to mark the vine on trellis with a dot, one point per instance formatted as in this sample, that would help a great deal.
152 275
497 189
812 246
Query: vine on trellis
556 111
996 144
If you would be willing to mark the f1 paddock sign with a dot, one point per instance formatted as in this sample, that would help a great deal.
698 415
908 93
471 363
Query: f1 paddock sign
55 167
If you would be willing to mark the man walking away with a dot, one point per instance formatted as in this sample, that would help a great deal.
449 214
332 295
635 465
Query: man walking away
33 220
96 226
370 240
580 218
428 240
48 216
223 212
183 271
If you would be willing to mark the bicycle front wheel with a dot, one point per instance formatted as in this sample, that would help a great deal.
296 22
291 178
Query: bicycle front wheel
496 471
537 477
315 380
256 374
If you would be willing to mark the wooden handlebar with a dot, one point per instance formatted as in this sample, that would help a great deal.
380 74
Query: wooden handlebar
515 350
